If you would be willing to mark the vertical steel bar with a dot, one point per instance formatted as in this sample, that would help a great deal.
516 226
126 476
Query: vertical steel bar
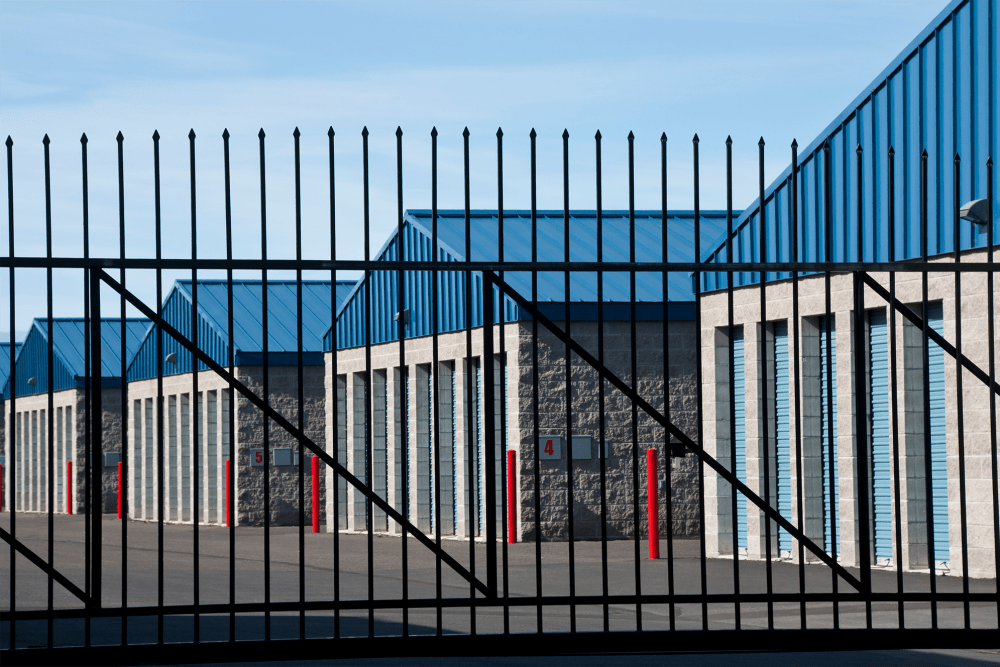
13 394
925 356
401 287
569 386
828 322
472 448
88 277
489 468
733 504
506 517
368 365
894 392
535 394
50 421
959 398
266 391
96 443
633 368
862 404
300 381
765 413
991 336
602 451
696 280
667 453
231 413
794 244
195 403
334 384
124 485
435 378
161 474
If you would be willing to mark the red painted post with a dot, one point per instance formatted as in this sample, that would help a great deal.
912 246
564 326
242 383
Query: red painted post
1 487
511 497
315 493
654 505
69 487
229 467
119 489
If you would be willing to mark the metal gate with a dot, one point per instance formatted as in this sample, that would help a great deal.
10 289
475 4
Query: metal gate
726 575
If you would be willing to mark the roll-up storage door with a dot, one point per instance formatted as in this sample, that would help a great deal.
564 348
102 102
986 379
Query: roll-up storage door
878 401
781 430
939 459
828 398
739 398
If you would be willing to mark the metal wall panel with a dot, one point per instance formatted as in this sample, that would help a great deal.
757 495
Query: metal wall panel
878 401
739 394
828 398
938 94
781 430
939 453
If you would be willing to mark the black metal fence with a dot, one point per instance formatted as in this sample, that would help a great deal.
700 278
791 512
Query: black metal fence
457 597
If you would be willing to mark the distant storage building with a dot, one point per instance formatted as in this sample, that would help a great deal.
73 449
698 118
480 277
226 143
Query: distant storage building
27 441
371 411
918 103
5 365
207 412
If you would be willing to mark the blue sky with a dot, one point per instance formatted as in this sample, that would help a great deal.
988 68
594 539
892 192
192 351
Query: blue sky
781 69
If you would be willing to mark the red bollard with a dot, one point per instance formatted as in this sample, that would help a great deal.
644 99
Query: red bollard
511 497
1 487
119 489
228 473
654 505
315 493
69 487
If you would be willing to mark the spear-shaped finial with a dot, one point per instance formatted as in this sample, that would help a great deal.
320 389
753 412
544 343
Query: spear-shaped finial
663 137
532 134
364 131
399 131
45 139
695 139
565 134
499 132
261 135
330 133
296 133
465 132
761 142
597 135
729 140
225 133
191 134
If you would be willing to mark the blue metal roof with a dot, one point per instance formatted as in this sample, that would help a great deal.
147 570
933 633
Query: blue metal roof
5 361
68 349
941 94
248 328
484 228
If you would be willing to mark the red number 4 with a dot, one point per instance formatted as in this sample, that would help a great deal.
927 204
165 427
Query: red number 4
548 448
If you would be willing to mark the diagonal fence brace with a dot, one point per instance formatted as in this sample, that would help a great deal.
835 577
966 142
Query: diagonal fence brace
40 563
933 335
709 460
298 434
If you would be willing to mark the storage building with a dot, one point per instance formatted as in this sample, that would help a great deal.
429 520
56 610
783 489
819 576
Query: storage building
374 402
203 410
938 95
27 442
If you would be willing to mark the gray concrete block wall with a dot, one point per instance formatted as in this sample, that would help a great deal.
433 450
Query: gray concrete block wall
975 464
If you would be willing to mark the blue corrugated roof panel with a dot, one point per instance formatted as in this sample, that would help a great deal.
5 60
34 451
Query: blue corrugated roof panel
5 362
935 95
484 227
248 327
68 350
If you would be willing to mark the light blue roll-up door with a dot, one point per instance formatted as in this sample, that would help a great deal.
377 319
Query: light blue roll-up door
828 398
781 430
878 400
939 459
739 398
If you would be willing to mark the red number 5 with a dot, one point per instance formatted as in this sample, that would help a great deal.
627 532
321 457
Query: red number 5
259 456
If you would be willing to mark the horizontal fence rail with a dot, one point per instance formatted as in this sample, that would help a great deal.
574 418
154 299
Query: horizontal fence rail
820 445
